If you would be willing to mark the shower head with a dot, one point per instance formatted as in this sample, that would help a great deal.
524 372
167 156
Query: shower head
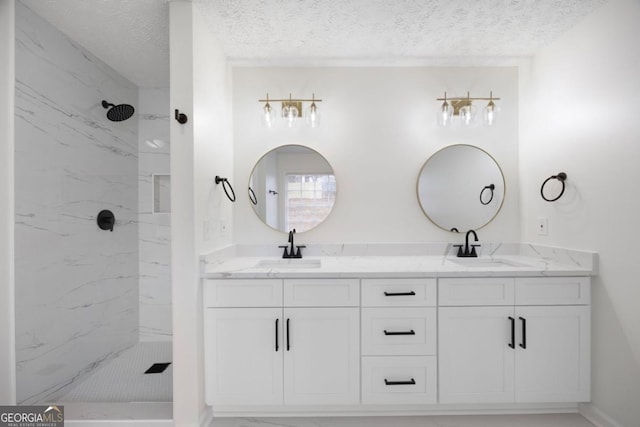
118 113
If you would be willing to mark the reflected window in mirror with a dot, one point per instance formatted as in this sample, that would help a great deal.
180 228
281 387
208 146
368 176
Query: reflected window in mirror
310 199
461 187
292 186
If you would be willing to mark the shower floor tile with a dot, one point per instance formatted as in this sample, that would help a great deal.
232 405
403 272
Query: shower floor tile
123 379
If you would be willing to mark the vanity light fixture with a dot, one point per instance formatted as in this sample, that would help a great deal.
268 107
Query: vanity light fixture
465 111
291 111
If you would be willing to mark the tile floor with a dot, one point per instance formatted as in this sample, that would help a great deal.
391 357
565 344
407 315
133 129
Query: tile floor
546 420
123 379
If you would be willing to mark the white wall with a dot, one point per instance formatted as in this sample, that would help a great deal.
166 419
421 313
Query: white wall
213 145
154 231
7 310
200 149
378 128
579 116
184 262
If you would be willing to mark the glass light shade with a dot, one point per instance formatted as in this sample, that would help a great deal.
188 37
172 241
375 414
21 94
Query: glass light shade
490 113
313 115
290 114
267 116
467 115
445 114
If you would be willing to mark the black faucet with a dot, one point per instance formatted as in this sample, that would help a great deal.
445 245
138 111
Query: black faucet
469 252
289 252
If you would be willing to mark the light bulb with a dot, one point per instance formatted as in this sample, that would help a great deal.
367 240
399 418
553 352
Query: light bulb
290 114
267 116
313 116
490 113
445 114
467 114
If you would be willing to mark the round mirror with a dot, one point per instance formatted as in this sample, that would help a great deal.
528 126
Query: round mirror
460 188
292 187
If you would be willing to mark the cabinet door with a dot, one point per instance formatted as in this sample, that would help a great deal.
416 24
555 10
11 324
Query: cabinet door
555 365
322 354
243 356
476 362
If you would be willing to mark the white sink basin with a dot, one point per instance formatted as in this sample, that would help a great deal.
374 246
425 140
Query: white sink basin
289 263
487 262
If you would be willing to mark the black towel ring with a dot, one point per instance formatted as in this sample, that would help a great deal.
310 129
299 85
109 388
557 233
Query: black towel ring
489 187
252 196
560 177
226 184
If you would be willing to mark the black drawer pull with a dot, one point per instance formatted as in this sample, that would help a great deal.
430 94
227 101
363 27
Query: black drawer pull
411 332
523 344
512 344
411 382
399 294
277 346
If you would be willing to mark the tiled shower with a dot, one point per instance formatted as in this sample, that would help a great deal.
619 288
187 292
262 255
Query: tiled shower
86 296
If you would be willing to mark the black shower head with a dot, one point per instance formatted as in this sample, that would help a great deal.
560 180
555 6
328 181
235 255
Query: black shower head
118 113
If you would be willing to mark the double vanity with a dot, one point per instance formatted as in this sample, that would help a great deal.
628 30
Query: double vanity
383 329
324 329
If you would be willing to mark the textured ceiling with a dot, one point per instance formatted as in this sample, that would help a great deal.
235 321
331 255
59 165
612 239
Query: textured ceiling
133 35
387 29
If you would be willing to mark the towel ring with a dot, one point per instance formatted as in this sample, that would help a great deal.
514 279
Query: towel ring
226 184
489 187
252 196
562 177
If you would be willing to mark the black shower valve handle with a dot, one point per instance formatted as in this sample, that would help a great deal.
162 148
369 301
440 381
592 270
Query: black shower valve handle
181 117
106 220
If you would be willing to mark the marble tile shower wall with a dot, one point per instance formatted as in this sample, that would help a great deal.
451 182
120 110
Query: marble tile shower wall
154 228
76 285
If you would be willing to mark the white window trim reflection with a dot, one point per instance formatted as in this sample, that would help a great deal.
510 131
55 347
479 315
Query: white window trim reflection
327 192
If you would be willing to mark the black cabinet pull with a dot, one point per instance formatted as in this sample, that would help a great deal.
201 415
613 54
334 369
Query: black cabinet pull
411 382
288 346
523 344
512 344
411 332
398 294
277 346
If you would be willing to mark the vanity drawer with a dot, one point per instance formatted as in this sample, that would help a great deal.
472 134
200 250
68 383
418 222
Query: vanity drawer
321 292
243 293
399 331
399 292
476 291
399 380
553 291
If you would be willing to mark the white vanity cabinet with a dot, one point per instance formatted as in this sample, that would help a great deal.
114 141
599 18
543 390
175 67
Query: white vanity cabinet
336 345
514 340
243 364
399 341
322 341
274 342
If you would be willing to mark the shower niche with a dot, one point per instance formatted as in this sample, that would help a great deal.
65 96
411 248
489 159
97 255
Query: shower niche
161 193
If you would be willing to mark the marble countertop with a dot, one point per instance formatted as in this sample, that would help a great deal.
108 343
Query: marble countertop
515 260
